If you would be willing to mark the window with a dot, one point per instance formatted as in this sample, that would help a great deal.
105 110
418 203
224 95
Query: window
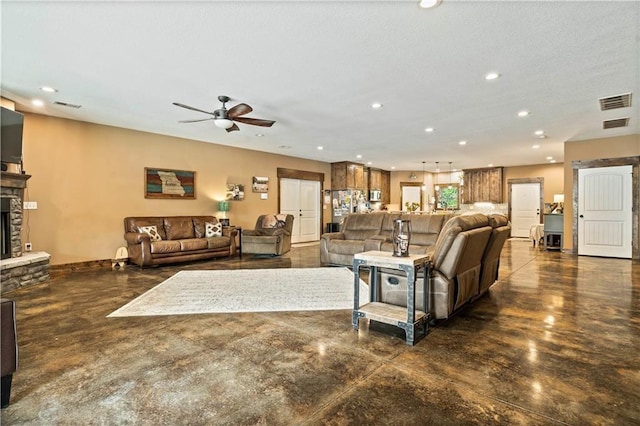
448 198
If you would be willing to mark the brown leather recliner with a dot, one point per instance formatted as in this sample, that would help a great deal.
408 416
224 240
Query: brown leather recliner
272 235
455 268
8 347
491 258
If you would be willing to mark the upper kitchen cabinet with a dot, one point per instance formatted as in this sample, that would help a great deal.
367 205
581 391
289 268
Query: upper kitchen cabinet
482 185
375 179
347 175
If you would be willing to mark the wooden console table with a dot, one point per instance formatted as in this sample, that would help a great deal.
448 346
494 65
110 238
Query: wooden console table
406 318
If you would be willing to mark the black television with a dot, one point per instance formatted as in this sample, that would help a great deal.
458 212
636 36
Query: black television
11 124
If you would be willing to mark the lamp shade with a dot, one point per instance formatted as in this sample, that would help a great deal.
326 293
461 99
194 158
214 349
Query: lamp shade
558 198
223 206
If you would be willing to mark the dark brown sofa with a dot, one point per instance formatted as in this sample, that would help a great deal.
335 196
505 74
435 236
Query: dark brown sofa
182 239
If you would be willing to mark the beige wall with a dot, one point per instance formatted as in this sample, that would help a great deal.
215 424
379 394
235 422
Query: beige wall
592 149
553 175
86 178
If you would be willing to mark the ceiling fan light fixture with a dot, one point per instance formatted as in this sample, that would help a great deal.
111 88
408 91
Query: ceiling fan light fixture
426 4
223 123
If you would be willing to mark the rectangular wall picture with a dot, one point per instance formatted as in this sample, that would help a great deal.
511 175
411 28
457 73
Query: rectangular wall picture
260 184
235 191
169 184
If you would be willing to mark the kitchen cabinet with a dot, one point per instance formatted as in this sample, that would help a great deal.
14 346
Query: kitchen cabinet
385 187
347 175
375 179
482 185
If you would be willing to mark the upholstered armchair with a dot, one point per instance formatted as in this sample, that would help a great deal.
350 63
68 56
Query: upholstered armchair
8 347
272 235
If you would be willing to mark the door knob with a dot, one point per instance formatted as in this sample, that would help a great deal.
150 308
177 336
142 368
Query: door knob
581 216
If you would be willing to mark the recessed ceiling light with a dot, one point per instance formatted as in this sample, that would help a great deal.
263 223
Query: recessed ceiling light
376 105
426 4
549 158
462 143
369 163
535 146
552 161
429 129
48 89
489 165
393 167
320 148
37 102
542 136
358 156
523 113
539 132
259 135
492 76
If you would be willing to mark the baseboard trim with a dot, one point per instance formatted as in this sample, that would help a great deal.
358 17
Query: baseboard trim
89 265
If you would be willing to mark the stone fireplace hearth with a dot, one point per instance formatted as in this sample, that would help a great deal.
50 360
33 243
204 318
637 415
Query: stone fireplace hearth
17 269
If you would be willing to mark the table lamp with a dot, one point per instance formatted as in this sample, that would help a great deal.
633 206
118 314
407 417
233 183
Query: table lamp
223 206
559 200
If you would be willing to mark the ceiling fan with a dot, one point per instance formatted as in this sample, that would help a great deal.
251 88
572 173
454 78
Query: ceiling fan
224 118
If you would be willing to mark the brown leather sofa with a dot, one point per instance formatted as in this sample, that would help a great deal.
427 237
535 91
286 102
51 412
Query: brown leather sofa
8 348
372 231
271 235
182 239
466 246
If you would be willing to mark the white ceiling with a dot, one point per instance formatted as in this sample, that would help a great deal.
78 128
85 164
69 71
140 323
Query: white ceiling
315 67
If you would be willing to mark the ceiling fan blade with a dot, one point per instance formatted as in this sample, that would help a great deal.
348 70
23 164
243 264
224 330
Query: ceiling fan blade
192 108
233 128
255 121
240 109
195 121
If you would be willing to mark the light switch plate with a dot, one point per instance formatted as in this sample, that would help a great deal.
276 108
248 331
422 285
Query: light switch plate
264 196
30 205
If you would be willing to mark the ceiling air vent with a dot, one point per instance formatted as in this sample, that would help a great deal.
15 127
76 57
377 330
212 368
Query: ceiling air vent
64 104
616 122
615 102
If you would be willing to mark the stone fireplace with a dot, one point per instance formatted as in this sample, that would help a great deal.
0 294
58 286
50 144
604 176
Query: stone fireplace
18 269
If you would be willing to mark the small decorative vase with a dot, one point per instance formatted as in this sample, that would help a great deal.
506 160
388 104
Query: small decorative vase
401 237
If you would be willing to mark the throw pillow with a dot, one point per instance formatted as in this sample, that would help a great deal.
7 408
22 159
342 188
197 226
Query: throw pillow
151 231
212 229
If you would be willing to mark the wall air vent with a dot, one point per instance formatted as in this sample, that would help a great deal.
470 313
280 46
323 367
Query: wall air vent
64 104
616 122
615 102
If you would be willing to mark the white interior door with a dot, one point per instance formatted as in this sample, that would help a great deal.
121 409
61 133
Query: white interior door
604 211
301 198
525 208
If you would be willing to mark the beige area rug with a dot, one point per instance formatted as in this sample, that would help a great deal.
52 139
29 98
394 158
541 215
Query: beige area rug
248 290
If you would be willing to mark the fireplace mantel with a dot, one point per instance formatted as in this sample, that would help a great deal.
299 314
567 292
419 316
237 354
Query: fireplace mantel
14 180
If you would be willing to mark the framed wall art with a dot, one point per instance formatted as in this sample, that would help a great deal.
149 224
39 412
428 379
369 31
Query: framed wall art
235 191
260 184
169 184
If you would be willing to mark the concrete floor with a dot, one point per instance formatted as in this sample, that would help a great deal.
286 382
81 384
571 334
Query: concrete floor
556 341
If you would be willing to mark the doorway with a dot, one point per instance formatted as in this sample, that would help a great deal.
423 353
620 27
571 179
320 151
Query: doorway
579 166
604 211
300 195
525 205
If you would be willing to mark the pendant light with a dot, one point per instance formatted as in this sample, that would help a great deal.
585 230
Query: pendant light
437 187
450 175
424 183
